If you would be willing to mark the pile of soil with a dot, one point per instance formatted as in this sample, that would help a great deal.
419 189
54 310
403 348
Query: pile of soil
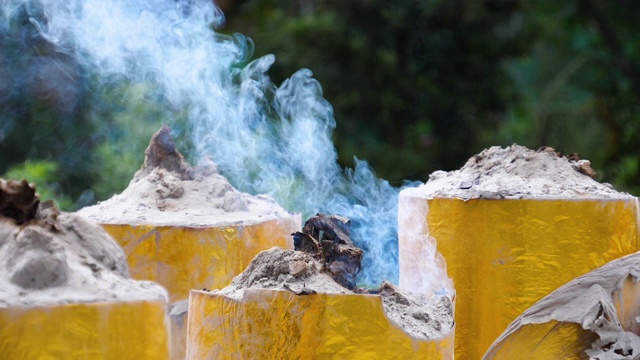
48 257
516 172
167 191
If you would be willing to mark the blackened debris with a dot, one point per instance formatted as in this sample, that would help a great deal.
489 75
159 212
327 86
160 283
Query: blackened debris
550 150
306 243
584 168
574 157
326 238
18 200
333 227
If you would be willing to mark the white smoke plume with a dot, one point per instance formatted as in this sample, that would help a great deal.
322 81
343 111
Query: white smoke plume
264 138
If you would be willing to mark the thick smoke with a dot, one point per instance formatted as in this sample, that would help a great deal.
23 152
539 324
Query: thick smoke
265 139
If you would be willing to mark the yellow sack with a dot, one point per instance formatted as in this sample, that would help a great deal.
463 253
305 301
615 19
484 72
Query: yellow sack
118 331
594 315
185 258
272 324
504 255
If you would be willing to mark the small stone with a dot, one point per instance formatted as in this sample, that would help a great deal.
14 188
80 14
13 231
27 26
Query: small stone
297 268
466 185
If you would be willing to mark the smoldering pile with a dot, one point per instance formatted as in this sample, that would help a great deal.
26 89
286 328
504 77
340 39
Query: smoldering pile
326 238
516 172
326 261
167 191
50 257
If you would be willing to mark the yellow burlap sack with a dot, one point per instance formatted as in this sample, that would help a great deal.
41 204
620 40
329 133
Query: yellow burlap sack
272 324
185 258
592 316
504 255
118 331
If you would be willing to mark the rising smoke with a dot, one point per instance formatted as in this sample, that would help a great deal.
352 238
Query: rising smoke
264 138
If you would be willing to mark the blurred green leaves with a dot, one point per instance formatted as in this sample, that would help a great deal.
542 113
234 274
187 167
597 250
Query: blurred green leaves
125 119
412 83
47 177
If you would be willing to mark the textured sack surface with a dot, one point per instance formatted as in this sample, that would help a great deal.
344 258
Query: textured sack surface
181 259
504 255
269 324
594 315
118 331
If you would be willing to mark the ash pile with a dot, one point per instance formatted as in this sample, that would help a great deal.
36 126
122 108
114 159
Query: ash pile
168 191
49 257
516 172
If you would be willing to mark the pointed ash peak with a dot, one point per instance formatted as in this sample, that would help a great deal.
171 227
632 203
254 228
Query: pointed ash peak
162 153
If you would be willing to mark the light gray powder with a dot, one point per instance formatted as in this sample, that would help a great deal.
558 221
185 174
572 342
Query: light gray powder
167 191
516 172
162 198
64 259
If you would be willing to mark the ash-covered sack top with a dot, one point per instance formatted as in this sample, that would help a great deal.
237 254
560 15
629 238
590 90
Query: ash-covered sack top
49 257
167 191
516 172
326 261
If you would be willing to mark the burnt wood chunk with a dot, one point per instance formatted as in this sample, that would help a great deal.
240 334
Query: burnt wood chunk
162 153
326 238
329 227
18 200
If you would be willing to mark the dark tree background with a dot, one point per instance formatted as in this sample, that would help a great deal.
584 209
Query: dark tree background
422 85
416 86
412 83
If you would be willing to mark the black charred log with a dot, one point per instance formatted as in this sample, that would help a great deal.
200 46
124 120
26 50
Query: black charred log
326 238
18 200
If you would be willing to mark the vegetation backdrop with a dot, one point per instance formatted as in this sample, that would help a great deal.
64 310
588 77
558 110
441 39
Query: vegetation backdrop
416 86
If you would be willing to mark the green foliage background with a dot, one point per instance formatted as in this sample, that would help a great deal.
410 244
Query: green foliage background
416 86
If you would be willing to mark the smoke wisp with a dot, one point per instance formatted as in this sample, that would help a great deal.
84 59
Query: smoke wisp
264 138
